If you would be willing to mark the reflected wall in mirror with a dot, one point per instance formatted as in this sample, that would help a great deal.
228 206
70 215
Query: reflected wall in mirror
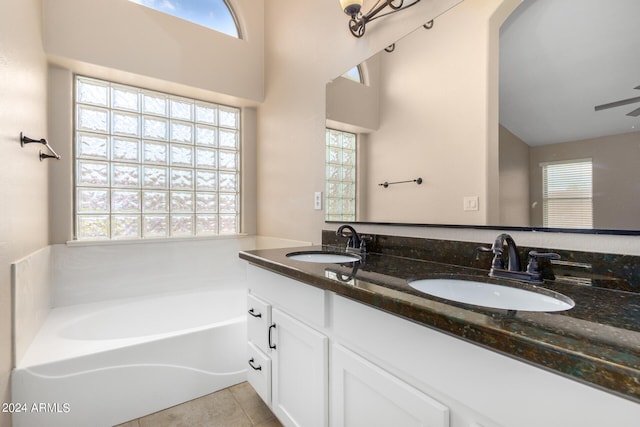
427 111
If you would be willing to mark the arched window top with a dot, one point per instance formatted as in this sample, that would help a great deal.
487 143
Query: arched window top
214 14
354 74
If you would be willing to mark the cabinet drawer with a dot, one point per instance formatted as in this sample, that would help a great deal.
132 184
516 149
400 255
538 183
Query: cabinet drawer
259 372
258 322
304 302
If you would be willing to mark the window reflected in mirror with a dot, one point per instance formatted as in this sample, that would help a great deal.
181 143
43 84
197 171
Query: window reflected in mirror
354 74
340 175
567 194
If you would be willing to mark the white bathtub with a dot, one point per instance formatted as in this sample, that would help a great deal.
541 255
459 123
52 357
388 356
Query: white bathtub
105 363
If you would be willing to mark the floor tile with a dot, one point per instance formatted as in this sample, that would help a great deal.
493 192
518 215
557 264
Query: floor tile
271 423
214 410
251 403
236 406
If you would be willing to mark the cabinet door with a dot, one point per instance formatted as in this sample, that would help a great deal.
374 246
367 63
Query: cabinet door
300 372
362 394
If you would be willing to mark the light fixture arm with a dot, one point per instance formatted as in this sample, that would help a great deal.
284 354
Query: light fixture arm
358 21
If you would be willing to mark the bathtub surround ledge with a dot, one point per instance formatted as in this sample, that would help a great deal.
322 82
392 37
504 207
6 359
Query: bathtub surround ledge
91 273
31 293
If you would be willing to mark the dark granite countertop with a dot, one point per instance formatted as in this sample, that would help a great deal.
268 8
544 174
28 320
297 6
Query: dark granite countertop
596 342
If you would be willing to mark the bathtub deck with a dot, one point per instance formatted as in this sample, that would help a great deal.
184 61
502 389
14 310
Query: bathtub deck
52 344
49 346
238 405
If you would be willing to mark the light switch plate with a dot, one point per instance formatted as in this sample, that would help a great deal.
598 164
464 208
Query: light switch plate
470 203
317 200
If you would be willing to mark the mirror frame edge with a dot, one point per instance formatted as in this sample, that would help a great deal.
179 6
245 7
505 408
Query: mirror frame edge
594 231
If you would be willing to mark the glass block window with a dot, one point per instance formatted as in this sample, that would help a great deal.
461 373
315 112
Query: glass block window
341 176
153 165
567 194
214 14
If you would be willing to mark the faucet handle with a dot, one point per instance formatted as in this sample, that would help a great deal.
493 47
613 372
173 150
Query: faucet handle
482 249
534 256
364 239
497 261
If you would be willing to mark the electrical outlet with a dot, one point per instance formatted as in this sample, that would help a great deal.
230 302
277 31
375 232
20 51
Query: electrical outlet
317 200
470 203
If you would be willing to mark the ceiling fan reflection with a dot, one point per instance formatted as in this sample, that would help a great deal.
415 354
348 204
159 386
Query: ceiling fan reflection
634 113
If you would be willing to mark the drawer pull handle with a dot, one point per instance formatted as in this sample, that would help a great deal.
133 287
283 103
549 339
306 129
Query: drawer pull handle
255 368
273 346
254 314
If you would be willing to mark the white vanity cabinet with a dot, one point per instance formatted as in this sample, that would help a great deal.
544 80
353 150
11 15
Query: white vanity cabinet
363 394
378 369
284 323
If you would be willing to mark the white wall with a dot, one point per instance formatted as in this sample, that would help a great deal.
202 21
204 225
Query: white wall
433 122
514 180
23 178
31 298
307 45
352 106
120 35
86 273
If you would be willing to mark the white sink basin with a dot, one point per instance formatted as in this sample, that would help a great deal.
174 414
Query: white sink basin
494 296
323 257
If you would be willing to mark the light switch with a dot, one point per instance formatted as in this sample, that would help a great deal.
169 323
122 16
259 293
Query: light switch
470 203
317 200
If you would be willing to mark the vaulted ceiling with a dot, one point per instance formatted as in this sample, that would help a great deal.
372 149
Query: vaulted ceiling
561 58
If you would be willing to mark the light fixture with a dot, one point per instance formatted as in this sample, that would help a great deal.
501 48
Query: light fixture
359 20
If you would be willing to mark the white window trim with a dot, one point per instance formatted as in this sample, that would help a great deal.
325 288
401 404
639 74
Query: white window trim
547 217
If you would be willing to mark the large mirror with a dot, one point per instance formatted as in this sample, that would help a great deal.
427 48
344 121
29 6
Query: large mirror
568 107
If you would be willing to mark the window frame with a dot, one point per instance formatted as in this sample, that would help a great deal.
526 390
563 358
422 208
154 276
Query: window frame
574 195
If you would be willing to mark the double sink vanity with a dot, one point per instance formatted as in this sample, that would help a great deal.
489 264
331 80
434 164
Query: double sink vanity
340 336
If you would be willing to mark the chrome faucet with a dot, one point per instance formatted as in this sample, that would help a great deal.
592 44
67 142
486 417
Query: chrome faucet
355 242
514 267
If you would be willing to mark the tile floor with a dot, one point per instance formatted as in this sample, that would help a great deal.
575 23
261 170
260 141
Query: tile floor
236 406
